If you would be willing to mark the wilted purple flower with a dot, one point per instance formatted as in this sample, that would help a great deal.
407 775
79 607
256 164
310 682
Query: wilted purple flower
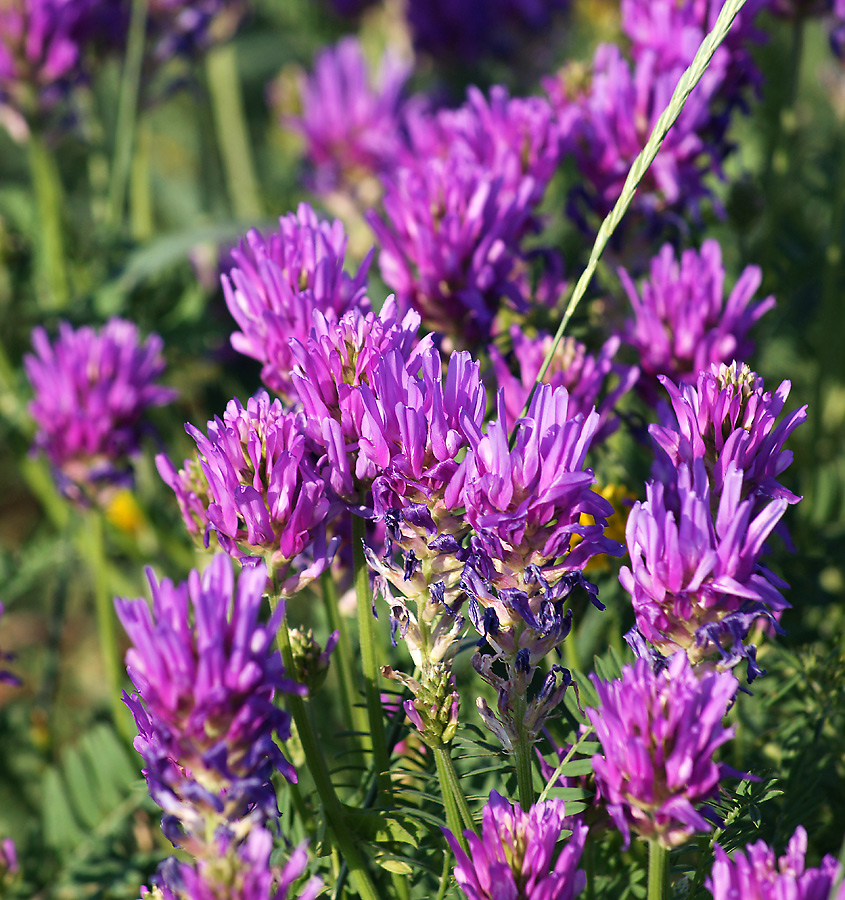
450 243
615 117
277 283
728 418
584 376
257 488
351 125
757 875
526 503
92 389
682 323
237 872
333 366
658 734
206 674
515 855
41 48
697 585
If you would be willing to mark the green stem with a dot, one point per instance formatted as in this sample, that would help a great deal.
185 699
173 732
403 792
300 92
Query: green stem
224 85
522 758
124 138
316 763
50 250
140 193
590 868
458 814
658 871
369 660
356 717
92 544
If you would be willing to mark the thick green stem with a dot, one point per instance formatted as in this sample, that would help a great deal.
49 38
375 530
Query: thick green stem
356 716
458 814
91 543
50 249
224 86
369 660
658 871
522 758
124 138
319 770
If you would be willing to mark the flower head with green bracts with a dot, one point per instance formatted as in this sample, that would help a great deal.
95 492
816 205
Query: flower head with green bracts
514 857
658 733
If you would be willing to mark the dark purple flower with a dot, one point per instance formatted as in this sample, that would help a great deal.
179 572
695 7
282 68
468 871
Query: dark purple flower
682 322
514 857
658 734
189 27
206 674
237 872
689 572
584 376
757 875
92 389
257 488
728 418
278 282
351 123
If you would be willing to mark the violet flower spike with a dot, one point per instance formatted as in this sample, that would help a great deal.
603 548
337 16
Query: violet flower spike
658 734
755 874
276 284
514 856
683 324
206 674
92 390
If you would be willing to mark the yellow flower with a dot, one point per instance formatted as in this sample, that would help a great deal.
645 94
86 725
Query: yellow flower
620 498
124 513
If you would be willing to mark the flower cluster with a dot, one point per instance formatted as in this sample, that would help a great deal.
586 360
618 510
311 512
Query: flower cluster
256 486
658 733
515 854
278 282
682 322
92 390
757 875
206 675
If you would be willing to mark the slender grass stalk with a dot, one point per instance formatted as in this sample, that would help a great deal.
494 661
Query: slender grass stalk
369 662
140 191
453 794
50 248
127 107
356 717
640 166
319 770
224 86
658 871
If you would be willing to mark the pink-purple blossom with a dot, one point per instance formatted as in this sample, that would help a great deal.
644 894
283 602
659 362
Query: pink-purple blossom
279 281
206 673
92 391
515 855
658 734
756 874
683 323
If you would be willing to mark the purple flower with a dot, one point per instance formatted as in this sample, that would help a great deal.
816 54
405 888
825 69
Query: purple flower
525 504
206 674
515 855
697 585
8 857
682 323
92 390
658 734
190 27
757 875
583 375
41 48
278 282
7 677
615 117
237 872
450 243
728 418
257 488
352 126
